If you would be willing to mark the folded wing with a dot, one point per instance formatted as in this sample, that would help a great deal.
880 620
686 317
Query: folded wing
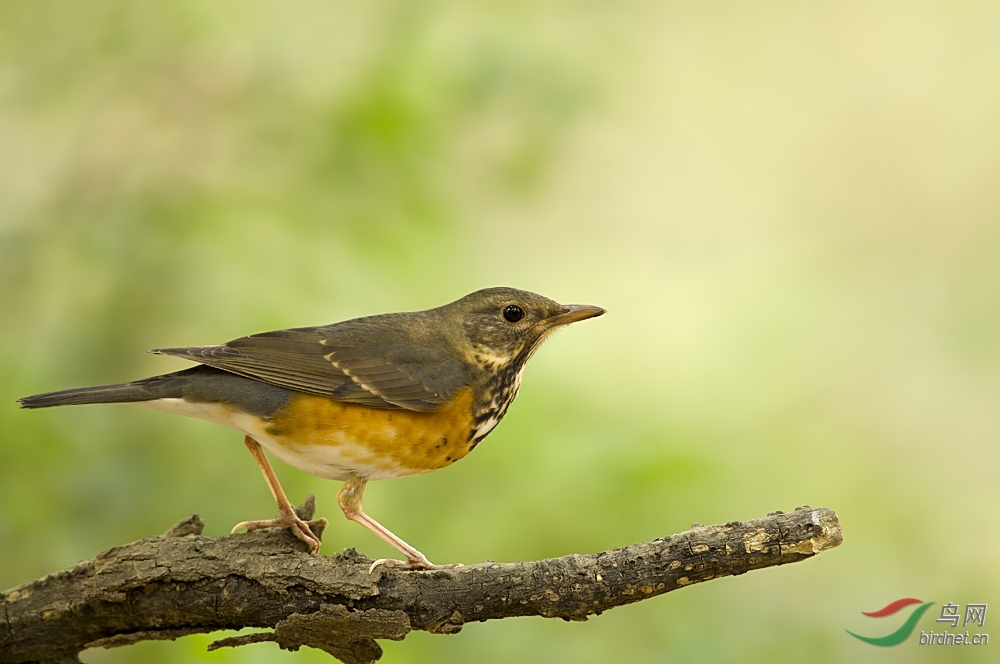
319 360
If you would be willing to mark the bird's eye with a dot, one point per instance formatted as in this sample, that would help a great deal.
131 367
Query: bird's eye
512 313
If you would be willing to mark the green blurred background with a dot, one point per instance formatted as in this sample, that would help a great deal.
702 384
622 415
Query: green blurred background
790 210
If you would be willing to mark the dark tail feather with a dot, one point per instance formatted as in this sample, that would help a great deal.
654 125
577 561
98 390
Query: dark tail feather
118 393
156 387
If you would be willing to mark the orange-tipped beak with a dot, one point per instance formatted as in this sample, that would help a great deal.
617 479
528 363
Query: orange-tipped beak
573 313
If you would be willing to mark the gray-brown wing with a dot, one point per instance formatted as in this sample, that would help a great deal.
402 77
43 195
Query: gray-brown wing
344 367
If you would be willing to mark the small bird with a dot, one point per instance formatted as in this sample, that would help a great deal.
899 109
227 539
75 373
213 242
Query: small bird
365 399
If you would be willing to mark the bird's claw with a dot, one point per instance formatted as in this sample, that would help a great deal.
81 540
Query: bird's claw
300 528
415 565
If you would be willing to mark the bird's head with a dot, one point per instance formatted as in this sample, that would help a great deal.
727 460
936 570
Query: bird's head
506 325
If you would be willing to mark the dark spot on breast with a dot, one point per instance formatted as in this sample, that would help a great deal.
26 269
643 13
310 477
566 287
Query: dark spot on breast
444 441
447 458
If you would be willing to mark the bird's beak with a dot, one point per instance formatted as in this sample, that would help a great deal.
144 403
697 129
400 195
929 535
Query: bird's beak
571 313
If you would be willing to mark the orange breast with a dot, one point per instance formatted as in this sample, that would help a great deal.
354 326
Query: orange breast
329 438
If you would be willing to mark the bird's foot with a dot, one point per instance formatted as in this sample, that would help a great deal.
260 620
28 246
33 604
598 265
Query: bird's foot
300 528
414 564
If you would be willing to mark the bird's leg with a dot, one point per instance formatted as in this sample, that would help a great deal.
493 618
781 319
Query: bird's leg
349 499
287 518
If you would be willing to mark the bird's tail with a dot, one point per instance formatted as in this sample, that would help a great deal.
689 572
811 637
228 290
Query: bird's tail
157 387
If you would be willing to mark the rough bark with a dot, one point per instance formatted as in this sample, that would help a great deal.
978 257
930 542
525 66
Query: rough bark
182 583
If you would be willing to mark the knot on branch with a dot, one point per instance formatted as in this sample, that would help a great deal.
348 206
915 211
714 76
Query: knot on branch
347 635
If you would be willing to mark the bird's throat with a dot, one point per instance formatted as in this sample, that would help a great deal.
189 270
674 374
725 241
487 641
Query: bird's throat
501 388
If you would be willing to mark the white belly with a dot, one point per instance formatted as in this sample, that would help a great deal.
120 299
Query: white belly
333 462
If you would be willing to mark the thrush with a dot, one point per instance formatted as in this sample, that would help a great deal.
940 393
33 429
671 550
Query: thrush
365 399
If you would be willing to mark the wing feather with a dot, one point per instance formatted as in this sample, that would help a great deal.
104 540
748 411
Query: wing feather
348 365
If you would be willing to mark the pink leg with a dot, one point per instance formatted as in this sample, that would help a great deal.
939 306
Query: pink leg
349 499
287 518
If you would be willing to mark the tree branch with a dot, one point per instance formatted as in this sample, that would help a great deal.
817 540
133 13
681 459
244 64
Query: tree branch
182 583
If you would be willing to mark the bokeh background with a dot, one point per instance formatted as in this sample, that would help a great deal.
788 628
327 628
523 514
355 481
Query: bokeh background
790 211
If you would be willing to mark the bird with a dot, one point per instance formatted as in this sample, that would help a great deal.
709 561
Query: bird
371 398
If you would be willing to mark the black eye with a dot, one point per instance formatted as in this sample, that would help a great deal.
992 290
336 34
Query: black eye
512 313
